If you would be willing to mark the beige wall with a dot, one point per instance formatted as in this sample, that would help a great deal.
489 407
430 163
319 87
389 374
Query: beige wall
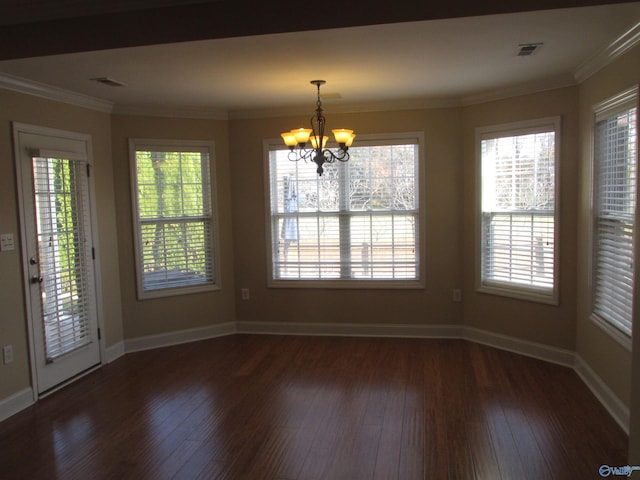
182 312
441 228
606 357
547 324
13 327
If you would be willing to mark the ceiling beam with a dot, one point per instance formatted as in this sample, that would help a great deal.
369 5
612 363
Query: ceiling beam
232 18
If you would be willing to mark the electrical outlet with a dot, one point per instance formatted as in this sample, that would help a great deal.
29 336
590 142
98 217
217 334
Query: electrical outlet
244 293
7 354
457 295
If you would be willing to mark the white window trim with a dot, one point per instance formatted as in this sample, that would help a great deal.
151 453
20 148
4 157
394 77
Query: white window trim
616 104
363 139
504 289
175 146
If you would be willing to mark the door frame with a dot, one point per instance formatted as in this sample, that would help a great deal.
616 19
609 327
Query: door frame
17 129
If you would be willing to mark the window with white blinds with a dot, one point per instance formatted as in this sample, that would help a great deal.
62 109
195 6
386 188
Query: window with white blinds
518 221
173 215
614 213
358 223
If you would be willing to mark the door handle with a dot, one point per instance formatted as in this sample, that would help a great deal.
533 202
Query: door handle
36 279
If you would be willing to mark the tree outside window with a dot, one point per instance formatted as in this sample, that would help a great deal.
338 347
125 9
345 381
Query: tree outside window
174 219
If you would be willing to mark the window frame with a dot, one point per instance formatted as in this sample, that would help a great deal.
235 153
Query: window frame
616 104
203 146
352 283
506 289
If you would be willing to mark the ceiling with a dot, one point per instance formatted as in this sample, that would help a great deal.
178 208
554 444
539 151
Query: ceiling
415 63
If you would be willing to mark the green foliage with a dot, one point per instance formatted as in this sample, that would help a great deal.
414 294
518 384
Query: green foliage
66 224
174 209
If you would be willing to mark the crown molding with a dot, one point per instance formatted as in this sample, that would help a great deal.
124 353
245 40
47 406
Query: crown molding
393 105
48 92
625 42
504 93
172 112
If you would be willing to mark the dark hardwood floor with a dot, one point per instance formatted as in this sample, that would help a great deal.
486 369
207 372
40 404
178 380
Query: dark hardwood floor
277 407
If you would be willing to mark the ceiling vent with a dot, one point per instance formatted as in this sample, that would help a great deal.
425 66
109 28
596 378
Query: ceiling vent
528 49
108 81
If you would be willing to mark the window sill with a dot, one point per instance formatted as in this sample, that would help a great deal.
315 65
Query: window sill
172 292
349 284
550 298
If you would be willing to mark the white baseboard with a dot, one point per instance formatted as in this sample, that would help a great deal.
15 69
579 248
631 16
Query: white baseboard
522 347
618 410
114 352
350 329
503 342
178 337
18 401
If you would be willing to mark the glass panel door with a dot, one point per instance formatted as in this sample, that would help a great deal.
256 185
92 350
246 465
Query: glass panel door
58 253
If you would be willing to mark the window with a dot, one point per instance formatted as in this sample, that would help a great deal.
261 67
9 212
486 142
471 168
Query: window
356 225
614 213
173 217
518 221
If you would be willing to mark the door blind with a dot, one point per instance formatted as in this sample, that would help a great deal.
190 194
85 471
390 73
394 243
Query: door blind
62 217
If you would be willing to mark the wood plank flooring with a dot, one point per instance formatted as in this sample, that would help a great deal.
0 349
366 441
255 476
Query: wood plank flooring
323 408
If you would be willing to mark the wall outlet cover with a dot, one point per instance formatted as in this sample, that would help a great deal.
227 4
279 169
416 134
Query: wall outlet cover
6 242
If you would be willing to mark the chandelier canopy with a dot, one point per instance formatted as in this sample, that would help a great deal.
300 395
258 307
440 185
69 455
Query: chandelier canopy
297 139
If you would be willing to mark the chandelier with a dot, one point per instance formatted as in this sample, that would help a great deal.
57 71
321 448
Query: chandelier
297 140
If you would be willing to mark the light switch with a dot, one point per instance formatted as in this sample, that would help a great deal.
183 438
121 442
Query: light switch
6 242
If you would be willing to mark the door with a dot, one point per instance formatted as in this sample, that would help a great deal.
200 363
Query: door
58 254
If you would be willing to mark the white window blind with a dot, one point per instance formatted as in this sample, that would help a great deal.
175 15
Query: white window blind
62 215
174 218
518 201
615 185
358 221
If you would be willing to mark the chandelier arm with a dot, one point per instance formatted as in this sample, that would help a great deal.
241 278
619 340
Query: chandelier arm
342 155
300 153
306 155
